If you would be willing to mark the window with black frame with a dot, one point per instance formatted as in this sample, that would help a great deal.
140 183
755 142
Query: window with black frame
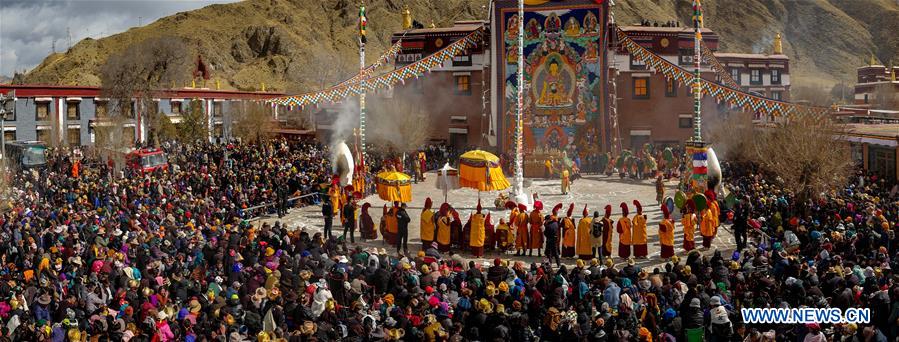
755 76
462 60
670 88
685 57
735 74
463 85
637 64
42 111
641 87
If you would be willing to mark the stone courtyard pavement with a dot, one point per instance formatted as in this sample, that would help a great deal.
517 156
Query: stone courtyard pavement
595 191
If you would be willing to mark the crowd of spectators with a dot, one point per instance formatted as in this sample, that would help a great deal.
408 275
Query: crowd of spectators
171 257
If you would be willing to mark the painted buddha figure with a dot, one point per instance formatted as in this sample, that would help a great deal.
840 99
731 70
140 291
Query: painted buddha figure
553 92
572 28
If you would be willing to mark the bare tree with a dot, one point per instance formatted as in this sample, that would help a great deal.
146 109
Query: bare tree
330 68
732 134
252 121
818 96
806 153
399 125
138 73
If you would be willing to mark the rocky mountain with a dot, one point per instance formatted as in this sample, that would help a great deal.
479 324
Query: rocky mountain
302 45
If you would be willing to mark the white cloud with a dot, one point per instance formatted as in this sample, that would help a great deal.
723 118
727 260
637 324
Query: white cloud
28 29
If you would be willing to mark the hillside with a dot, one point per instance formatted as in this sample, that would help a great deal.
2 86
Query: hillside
301 45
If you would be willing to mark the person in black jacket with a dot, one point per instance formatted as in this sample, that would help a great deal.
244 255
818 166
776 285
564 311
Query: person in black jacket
402 220
349 222
551 232
327 213
741 218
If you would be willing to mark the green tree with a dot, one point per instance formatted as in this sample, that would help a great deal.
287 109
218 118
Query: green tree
194 123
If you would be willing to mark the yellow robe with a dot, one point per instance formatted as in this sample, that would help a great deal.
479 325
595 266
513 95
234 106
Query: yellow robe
707 225
334 194
521 231
512 216
666 232
443 230
568 237
504 236
427 225
624 231
476 237
566 181
716 213
392 226
585 236
639 230
689 223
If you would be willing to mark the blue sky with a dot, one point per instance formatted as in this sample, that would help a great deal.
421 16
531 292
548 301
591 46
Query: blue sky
28 28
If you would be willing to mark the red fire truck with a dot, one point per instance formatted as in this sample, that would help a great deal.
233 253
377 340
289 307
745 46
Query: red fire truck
147 160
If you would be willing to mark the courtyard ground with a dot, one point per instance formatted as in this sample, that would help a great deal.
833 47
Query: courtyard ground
595 191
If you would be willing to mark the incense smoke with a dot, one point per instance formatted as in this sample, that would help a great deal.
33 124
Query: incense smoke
346 120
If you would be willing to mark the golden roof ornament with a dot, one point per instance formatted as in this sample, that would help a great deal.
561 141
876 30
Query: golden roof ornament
407 18
433 25
892 74
873 60
778 45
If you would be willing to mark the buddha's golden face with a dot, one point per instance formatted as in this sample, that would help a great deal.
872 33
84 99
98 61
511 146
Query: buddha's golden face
554 69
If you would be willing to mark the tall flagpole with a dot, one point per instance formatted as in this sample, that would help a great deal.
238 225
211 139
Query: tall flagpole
362 39
519 131
697 149
697 87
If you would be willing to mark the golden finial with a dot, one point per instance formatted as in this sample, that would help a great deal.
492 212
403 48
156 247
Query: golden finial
263 86
193 83
873 60
892 74
433 25
218 85
778 45
407 18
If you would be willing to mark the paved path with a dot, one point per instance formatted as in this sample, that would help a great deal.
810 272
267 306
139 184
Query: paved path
595 191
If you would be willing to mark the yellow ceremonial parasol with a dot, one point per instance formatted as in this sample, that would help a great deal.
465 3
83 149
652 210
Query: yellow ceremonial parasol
394 186
481 170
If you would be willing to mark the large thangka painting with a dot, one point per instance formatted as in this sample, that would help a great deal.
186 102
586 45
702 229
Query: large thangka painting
563 73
